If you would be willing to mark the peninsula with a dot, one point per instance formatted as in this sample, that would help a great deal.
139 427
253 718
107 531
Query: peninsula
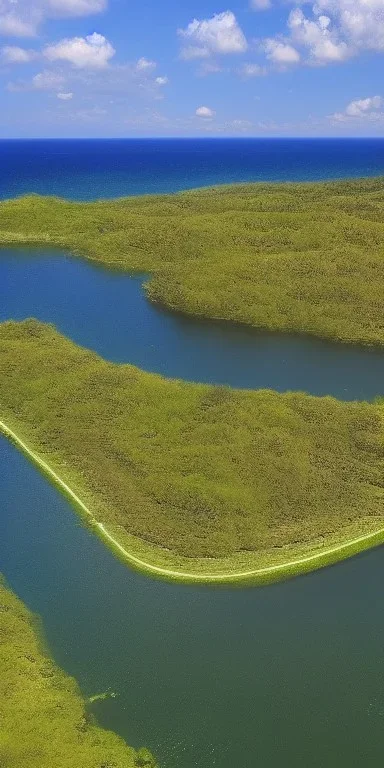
196 482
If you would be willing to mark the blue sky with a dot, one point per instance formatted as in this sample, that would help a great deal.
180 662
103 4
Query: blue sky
191 68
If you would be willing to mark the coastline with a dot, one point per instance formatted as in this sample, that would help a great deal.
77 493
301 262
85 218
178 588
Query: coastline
284 246
42 709
190 220
256 576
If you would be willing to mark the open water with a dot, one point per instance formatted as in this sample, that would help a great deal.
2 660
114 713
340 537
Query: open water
89 169
286 675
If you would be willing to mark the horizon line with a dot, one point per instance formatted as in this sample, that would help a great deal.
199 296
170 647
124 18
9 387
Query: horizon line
190 138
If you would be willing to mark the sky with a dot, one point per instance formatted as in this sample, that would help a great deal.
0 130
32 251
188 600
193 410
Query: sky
95 68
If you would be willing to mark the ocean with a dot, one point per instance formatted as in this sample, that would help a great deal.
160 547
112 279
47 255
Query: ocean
81 169
286 675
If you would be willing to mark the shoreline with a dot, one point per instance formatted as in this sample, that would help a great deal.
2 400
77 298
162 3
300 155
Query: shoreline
296 261
251 577
272 259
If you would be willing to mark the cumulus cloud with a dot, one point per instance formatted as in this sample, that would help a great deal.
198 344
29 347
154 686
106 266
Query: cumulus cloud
161 81
12 54
65 95
205 112
360 23
319 36
361 109
91 52
335 30
221 34
281 53
22 18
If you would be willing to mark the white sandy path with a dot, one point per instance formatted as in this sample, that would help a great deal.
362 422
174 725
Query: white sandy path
233 576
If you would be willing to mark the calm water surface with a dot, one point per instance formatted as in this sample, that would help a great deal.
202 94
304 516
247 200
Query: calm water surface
289 675
108 312
84 170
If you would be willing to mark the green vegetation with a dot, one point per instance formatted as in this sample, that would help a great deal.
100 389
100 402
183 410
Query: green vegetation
197 479
294 257
101 697
145 759
192 477
43 718
202 480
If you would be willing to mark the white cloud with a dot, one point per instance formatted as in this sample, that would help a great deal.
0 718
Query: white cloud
96 85
360 23
252 70
261 5
47 81
12 25
22 18
220 34
91 52
205 112
12 54
319 36
145 65
361 109
280 52
335 30
43 81
65 95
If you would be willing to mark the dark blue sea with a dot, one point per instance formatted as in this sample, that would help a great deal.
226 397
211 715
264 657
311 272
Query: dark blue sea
102 168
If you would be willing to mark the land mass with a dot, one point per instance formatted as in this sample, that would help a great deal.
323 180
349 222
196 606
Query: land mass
194 479
291 257
44 720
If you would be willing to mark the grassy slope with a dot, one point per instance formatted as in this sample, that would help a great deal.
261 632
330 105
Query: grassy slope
183 472
43 719
295 257
180 471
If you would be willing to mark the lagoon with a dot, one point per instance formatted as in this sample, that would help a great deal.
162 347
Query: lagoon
284 675
108 313
289 674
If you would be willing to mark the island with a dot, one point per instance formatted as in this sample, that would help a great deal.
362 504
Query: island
193 482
